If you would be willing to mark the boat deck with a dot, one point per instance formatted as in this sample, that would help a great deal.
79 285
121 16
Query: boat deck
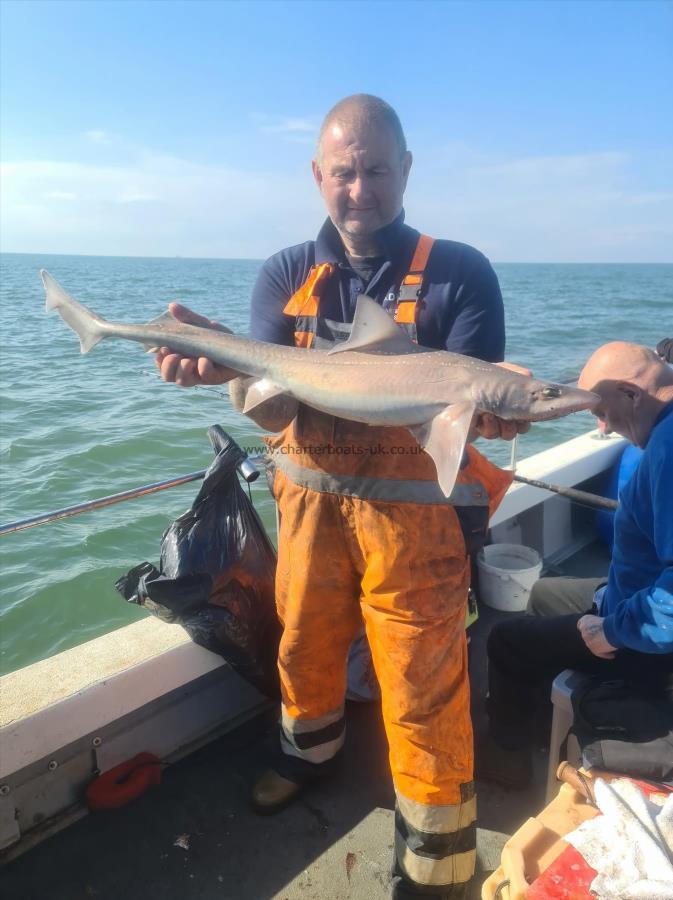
196 836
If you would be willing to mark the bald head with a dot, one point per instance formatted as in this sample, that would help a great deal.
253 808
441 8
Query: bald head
361 111
634 385
626 362
361 170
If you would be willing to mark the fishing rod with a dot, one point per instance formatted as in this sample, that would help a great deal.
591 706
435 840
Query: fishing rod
78 508
584 498
246 468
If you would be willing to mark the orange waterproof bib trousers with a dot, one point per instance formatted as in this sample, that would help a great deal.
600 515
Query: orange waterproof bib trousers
365 533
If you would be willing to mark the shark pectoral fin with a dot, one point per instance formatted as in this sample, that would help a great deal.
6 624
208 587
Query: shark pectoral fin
259 392
443 438
375 331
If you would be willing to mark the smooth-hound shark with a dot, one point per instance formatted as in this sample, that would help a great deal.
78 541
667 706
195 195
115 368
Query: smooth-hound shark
377 376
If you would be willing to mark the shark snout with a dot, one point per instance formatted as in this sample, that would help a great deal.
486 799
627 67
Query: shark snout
550 400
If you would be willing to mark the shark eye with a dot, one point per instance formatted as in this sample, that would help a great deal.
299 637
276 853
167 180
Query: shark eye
551 392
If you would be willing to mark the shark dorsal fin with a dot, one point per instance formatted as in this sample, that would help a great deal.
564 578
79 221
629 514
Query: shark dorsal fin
375 331
167 318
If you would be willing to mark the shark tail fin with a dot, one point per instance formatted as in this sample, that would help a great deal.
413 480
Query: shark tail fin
89 327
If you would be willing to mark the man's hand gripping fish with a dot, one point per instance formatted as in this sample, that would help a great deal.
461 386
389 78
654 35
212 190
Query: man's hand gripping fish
378 376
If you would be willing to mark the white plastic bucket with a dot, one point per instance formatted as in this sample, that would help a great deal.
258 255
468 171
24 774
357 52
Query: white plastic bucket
507 572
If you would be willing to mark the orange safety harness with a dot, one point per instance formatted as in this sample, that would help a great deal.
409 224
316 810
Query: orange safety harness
406 311
304 304
481 485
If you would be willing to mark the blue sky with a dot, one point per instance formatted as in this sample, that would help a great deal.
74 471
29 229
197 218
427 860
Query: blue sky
541 131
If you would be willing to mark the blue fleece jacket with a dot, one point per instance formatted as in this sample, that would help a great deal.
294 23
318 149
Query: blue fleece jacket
638 601
461 309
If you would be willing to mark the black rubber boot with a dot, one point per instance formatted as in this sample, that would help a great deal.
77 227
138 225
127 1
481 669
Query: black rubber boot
402 889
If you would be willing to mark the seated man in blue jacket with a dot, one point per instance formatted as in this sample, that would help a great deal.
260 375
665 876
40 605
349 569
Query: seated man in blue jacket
624 629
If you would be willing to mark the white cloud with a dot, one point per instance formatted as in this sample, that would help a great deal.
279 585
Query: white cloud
289 128
98 136
178 208
290 125
60 195
546 169
575 207
136 196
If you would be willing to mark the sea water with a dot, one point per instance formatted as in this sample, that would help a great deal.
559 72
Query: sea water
74 428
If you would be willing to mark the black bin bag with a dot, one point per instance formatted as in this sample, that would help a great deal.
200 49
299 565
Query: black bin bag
216 573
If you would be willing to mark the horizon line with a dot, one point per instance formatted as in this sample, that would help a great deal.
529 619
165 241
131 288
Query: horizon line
261 259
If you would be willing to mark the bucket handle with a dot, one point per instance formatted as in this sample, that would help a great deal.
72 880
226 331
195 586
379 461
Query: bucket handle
506 577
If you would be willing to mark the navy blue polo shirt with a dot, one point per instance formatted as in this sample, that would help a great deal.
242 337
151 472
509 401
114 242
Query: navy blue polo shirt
460 310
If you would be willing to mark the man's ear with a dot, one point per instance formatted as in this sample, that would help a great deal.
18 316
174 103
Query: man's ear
317 173
631 391
407 160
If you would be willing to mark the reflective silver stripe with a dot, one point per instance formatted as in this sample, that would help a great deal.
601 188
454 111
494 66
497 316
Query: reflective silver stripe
437 819
305 324
319 753
321 343
454 869
389 490
304 726
328 333
340 331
